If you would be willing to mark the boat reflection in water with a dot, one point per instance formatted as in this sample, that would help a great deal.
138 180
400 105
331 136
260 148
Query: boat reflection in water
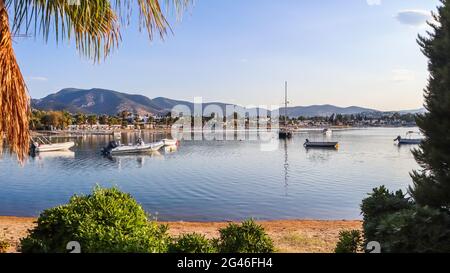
122 161
55 154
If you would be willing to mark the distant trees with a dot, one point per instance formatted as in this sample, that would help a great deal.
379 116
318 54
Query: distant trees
92 120
80 119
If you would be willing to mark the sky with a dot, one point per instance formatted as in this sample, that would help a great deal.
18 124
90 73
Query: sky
341 52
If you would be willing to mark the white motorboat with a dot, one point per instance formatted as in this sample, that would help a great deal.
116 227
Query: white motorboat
409 140
170 142
42 144
115 148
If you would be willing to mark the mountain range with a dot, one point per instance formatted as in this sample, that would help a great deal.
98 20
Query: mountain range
102 101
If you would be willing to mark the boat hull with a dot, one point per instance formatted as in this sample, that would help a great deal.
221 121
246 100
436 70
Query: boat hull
330 145
409 141
54 147
136 149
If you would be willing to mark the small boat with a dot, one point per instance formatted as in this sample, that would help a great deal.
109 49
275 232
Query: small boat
310 144
170 142
284 133
115 148
327 132
409 140
42 144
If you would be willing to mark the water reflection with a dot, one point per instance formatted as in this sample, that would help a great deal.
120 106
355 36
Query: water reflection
213 180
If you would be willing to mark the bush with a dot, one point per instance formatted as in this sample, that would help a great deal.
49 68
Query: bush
381 202
417 230
192 243
401 226
246 238
105 221
350 241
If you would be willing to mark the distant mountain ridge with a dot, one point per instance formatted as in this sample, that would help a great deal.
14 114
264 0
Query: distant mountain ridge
103 101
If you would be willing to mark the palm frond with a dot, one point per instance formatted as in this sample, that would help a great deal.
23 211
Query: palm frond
14 101
93 24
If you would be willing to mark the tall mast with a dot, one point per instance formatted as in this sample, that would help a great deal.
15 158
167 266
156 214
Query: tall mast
285 102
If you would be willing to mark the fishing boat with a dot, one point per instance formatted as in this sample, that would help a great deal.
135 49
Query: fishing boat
170 142
116 148
310 144
409 140
42 144
285 133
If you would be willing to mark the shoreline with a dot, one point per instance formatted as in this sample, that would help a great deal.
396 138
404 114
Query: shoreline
289 236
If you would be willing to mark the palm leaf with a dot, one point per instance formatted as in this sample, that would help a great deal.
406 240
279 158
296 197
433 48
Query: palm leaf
14 103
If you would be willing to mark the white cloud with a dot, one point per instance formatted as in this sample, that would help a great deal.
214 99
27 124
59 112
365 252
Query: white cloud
414 17
38 78
373 2
403 75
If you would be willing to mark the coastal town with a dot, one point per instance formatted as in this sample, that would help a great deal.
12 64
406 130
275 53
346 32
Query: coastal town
64 121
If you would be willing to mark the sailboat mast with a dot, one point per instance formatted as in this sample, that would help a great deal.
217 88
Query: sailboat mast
285 102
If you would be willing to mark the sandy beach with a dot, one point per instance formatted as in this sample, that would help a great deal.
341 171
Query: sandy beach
289 236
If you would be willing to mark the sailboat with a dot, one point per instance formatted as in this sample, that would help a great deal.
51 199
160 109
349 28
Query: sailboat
285 133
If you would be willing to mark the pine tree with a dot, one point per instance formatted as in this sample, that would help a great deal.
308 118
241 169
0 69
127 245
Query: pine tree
431 185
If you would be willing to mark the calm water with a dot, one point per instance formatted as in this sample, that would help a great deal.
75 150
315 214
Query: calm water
218 180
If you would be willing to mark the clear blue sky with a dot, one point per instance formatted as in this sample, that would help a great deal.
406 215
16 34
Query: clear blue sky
352 52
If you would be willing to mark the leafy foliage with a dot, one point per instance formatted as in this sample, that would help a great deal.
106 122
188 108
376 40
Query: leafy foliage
432 183
400 225
248 237
350 241
105 221
192 243
418 230
381 202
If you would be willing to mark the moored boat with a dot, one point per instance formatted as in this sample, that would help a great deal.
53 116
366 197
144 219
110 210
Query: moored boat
409 140
311 144
42 144
116 148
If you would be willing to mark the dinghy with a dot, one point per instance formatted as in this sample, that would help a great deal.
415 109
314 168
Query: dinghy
409 140
310 144
42 144
115 148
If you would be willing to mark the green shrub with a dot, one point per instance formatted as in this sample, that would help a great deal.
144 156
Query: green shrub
400 226
192 243
107 220
350 241
381 202
417 230
245 238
